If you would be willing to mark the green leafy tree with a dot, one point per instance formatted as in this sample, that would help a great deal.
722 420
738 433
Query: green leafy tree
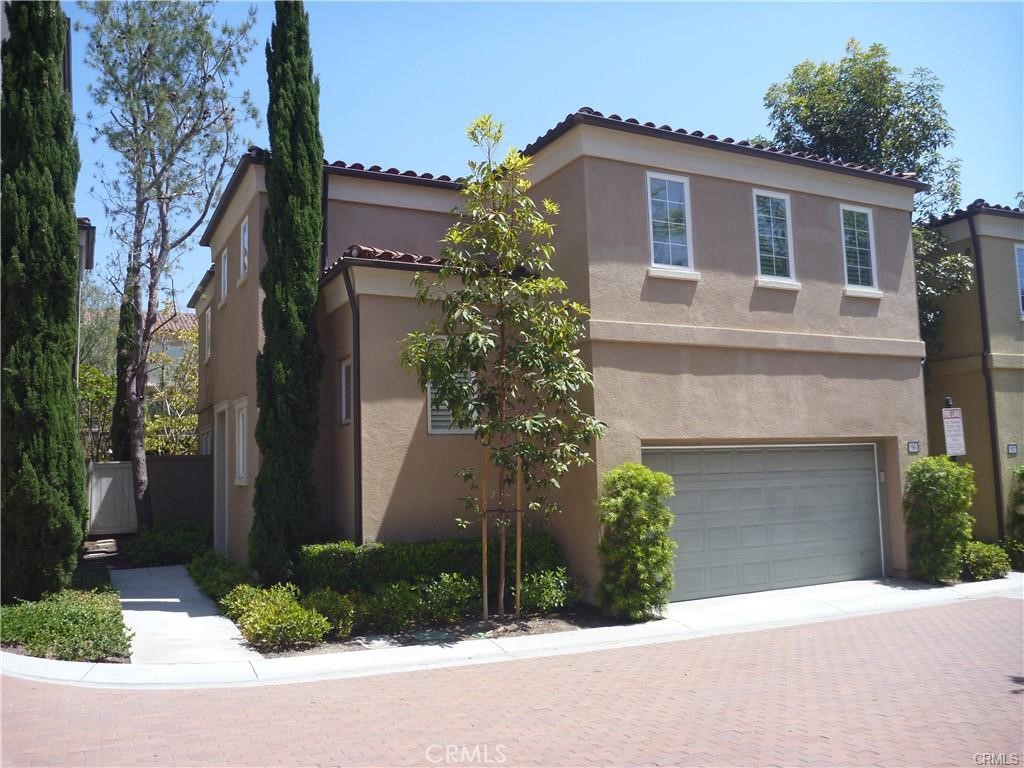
95 405
172 423
504 353
42 501
861 110
166 113
937 502
98 333
636 550
288 367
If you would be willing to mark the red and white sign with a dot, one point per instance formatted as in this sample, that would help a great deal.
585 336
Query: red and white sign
953 427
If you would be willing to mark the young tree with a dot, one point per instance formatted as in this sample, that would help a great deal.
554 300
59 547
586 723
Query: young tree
859 109
95 406
163 89
172 422
42 501
504 354
288 367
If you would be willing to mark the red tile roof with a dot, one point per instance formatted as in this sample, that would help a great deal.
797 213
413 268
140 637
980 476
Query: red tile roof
588 116
170 321
259 155
369 256
978 206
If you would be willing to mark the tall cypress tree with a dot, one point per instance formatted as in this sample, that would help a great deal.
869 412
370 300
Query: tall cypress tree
288 367
42 500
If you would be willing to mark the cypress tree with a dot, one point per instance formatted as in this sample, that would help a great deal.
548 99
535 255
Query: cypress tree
42 500
288 367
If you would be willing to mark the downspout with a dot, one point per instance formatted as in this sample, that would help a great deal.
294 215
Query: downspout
357 413
986 370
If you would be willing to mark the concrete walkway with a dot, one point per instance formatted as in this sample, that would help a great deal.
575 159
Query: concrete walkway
173 622
217 658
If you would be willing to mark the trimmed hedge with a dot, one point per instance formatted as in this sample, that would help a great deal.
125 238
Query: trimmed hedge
338 609
215 574
982 562
71 625
168 544
345 567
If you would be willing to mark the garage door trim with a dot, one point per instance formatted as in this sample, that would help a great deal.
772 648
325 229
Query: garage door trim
749 446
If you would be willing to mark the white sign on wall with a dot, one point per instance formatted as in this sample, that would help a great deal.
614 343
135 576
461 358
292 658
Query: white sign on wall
953 427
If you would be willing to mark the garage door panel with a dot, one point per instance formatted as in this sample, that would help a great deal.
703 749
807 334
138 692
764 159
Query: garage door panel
749 519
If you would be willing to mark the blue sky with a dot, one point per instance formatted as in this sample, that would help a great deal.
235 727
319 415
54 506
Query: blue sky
400 81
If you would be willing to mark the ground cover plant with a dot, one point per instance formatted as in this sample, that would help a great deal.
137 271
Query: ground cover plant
83 623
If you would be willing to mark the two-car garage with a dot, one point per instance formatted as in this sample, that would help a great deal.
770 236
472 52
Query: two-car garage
754 518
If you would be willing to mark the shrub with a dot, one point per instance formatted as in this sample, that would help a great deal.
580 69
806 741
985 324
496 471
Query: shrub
345 567
216 574
1014 549
1015 507
546 591
450 597
239 600
338 609
70 625
91 577
936 503
636 551
389 608
168 544
274 619
982 562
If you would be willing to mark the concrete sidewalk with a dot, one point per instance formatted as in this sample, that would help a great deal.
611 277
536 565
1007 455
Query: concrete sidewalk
682 621
173 622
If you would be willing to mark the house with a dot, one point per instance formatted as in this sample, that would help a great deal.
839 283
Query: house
754 333
980 365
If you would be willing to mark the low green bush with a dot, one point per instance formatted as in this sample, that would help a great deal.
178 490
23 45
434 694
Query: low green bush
450 597
547 591
239 600
275 620
338 609
1015 507
345 567
390 608
216 574
168 544
1014 549
91 576
636 550
936 501
72 625
982 562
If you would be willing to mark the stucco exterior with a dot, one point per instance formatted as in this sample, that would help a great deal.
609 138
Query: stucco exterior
714 357
983 333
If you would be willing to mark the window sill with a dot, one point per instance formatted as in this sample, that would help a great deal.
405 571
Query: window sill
778 283
241 481
242 279
674 273
862 292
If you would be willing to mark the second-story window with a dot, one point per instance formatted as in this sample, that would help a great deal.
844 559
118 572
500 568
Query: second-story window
243 250
858 247
668 202
774 246
224 275
207 336
1019 252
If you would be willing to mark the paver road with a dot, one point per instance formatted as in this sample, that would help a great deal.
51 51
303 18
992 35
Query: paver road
931 686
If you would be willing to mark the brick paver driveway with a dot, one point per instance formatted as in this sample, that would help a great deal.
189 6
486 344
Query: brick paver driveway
930 686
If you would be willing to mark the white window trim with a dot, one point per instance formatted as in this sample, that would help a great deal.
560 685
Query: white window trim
1020 276
241 442
345 394
207 335
225 260
431 430
243 251
771 281
668 270
863 291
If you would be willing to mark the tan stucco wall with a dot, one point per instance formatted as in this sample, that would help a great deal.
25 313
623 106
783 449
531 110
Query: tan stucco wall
397 229
956 370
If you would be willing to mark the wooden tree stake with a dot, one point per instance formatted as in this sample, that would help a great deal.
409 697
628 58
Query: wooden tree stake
519 532
484 501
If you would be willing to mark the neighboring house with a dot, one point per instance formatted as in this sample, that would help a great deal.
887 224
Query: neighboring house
754 333
981 362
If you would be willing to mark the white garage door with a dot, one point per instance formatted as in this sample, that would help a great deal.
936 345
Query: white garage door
751 519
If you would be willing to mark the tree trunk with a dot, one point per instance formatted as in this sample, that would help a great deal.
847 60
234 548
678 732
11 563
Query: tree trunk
501 567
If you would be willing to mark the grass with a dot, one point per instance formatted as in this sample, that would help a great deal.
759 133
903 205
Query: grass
83 623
